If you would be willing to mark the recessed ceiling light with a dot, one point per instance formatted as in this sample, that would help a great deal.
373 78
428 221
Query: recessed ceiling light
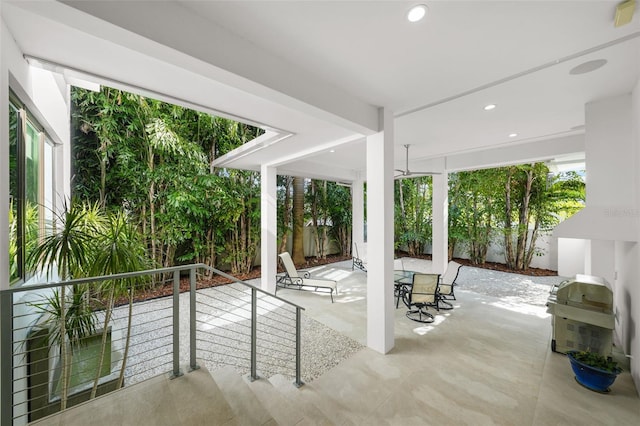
513 135
417 13
332 150
588 67
489 107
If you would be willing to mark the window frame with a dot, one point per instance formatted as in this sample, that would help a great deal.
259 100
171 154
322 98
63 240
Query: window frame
25 117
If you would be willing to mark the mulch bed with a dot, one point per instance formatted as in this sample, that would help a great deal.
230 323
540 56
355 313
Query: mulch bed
207 282
535 272
166 289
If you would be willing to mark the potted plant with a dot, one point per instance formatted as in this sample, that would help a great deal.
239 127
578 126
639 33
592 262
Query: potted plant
594 371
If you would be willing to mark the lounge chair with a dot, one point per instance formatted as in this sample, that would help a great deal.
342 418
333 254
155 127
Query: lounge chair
423 294
357 261
447 284
291 278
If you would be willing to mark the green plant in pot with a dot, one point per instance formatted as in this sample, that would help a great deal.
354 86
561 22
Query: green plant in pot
593 370
67 248
85 241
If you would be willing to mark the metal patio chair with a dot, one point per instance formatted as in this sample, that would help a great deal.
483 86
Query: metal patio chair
423 294
357 261
447 285
292 278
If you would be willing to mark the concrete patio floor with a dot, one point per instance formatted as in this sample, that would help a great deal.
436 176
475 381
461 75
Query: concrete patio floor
486 362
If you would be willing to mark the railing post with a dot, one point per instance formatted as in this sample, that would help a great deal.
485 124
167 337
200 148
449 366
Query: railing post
6 363
298 381
254 334
176 325
193 365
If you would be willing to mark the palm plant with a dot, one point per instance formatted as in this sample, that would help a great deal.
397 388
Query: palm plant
67 247
121 249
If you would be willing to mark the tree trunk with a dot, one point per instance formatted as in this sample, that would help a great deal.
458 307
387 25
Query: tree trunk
298 221
286 218
128 339
451 248
508 238
103 347
523 218
64 355
532 246
314 217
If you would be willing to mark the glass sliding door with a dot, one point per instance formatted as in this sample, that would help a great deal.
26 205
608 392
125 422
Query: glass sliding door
32 204
31 186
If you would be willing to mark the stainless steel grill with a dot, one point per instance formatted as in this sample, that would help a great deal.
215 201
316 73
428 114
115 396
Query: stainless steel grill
582 315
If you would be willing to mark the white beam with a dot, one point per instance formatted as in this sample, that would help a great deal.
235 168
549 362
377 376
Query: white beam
380 308
268 232
516 154
234 58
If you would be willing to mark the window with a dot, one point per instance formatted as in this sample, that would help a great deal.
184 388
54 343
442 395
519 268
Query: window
31 186
14 256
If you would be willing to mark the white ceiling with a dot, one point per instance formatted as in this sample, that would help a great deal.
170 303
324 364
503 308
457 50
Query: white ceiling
320 69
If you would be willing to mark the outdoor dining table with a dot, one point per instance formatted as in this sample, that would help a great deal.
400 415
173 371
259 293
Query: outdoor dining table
402 281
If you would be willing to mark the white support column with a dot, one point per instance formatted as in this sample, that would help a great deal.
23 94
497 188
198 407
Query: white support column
380 307
440 224
357 217
269 222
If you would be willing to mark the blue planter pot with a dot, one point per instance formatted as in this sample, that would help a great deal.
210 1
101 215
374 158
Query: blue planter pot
592 378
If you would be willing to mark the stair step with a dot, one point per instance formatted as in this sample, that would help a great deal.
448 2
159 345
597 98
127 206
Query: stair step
190 390
191 399
299 398
282 410
248 410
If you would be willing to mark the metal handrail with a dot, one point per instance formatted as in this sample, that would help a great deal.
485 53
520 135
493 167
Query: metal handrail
6 324
28 287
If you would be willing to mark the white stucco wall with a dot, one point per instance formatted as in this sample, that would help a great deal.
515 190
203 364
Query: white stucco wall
4 156
546 244
572 254
628 302
46 96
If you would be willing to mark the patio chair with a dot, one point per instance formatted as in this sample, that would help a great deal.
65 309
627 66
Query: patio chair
357 261
423 294
447 284
292 278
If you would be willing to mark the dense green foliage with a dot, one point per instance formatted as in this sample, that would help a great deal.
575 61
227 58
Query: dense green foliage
413 213
154 161
510 206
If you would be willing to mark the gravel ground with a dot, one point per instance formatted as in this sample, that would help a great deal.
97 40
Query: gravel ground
517 288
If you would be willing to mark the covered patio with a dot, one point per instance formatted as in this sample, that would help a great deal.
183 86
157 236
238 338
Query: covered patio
487 361
340 88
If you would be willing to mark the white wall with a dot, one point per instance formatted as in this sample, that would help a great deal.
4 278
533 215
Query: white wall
623 297
628 299
547 244
48 100
572 253
5 39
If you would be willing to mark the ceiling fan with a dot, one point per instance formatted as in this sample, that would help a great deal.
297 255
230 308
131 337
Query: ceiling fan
406 173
